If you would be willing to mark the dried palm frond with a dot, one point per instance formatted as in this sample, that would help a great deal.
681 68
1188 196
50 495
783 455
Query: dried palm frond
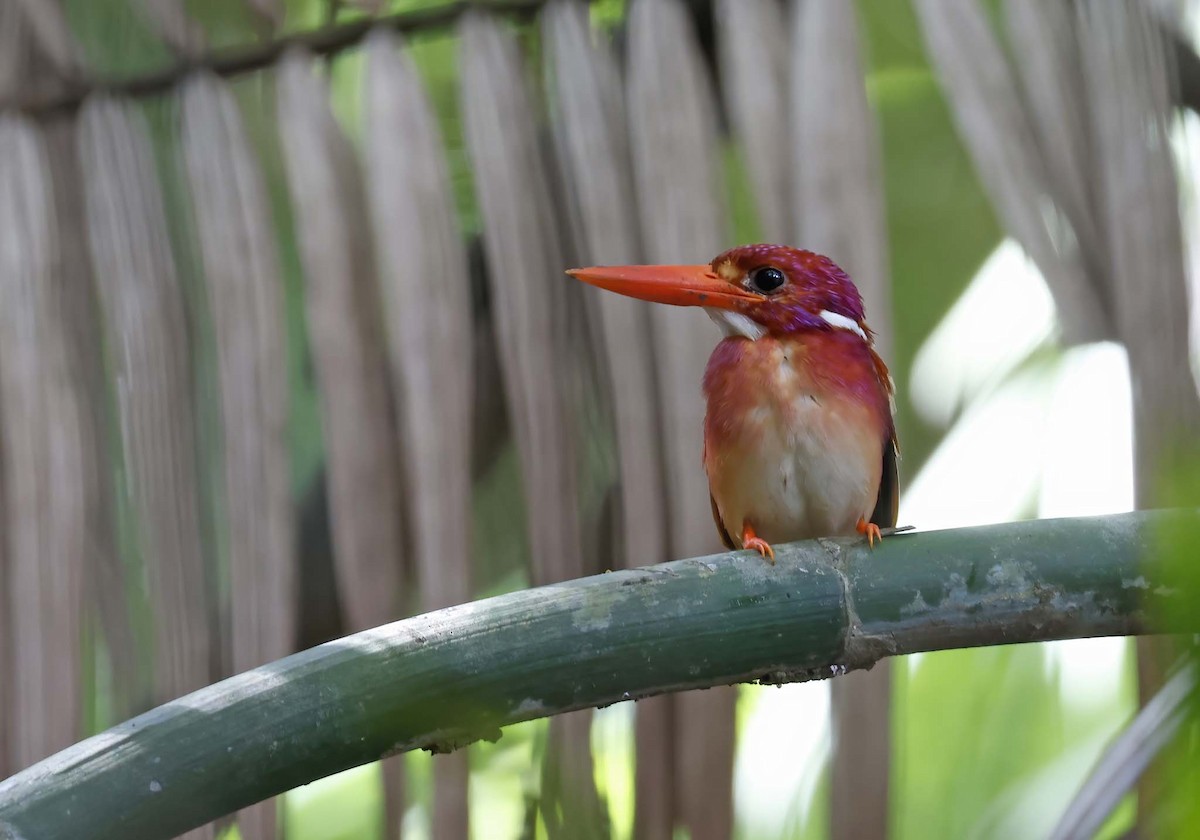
753 41
345 330
42 469
52 37
147 337
1129 101
996 129
169 19
106 578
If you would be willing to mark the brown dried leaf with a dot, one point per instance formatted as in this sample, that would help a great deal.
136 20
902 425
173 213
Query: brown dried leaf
1128 96
238 250
993 124
525 253
590 125
75 290
14 46
171 22
52 37
146 329
343 320
44 522
1048 60
270 12
835 155
424 275
753 46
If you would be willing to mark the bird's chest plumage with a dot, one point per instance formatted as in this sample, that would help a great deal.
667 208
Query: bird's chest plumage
794 434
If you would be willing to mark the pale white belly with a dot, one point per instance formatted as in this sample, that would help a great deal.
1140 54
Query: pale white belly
805 470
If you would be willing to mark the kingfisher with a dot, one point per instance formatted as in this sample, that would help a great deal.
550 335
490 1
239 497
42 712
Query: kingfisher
799 428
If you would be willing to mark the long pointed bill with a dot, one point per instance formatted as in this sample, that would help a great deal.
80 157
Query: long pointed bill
678 285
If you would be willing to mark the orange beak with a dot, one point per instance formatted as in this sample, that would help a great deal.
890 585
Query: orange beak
678 285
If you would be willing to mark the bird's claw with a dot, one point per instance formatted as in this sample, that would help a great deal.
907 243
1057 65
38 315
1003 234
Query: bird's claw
762 547
753 542
869 530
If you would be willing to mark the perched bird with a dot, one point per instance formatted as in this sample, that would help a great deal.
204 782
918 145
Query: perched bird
799 436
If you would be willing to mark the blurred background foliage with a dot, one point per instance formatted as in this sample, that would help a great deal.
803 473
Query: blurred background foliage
987 743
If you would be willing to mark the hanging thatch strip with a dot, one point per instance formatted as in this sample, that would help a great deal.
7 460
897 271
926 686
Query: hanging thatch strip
425 280
524 244
1129 97
344 326
993 124
522 239
673 136
835 162
1045 44
590 123
106 578
237 243
13 45
52 37
172 23
424 275
44 517
270 12
752 37
147 339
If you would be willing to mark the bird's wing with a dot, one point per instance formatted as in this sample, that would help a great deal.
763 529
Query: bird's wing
725 538
887 504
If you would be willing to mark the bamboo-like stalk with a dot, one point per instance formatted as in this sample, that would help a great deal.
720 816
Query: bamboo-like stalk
447 678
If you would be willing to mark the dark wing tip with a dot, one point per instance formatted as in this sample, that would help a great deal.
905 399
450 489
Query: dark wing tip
725 538
887 504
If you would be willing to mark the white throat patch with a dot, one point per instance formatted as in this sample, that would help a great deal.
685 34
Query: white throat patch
735 323
836 319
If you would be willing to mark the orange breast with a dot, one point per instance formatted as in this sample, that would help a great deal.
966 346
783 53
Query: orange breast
794 434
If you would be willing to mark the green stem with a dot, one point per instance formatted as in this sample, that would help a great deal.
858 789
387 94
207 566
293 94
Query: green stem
442 680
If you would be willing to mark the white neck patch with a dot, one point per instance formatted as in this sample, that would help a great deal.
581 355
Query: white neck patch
735 323
837 319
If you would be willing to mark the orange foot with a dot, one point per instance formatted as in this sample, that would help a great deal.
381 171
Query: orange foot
870 530
752 542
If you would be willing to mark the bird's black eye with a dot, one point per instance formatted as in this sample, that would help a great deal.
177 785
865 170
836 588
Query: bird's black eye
766 279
